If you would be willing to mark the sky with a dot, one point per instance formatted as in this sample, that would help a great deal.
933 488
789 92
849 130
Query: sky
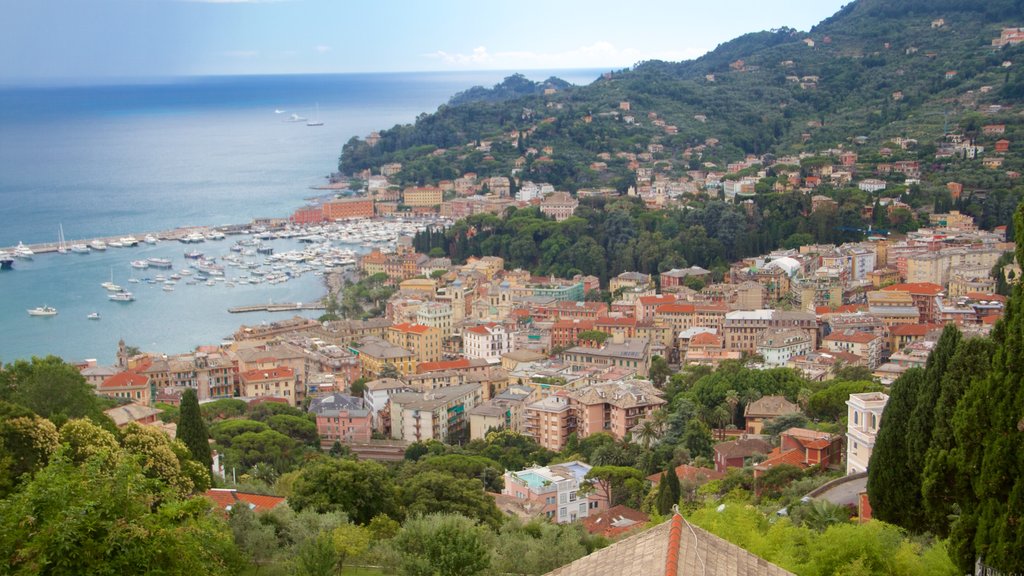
81 40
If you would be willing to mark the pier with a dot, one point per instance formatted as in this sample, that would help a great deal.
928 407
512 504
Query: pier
284 307
176 234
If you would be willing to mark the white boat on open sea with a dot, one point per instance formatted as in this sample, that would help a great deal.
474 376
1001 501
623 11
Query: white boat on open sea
42 311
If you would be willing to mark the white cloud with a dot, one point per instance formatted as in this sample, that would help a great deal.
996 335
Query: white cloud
242 53
598 55
321 48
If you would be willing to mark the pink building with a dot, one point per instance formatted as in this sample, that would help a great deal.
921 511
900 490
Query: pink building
554 491
341 418
614 407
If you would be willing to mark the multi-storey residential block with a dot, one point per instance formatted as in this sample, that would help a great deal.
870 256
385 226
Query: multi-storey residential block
614 407
277 382
341 418
423 341
865 345
743 327
375 354
439 414
488 341
549 421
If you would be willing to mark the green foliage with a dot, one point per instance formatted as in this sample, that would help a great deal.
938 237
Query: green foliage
465 466
537 547
619 484
98 518
596 336
223 408
443 545
192 428
659 372
360 489
434 491
830 404
299 428
669 492
52 389
874 548
225 432
26 444
166 460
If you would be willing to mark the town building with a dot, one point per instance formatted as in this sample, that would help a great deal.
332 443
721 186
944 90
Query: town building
614 407
376 354
342 418
550 421
739 453
276 382
865 345
742 328
423 341
554 491
439 414
756 413
804 448
487 341
864 416
560 206
128 386
776 346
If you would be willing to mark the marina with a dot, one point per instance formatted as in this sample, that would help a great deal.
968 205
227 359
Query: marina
257 273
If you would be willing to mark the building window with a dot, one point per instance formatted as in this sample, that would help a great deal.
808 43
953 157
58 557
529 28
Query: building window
562 513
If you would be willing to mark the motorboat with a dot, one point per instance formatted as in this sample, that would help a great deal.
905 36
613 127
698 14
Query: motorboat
193 238
129 241
194 254
98 245
6 261
122 296
150 239
80 248
140 264
42 311
160 262
215 235
93 316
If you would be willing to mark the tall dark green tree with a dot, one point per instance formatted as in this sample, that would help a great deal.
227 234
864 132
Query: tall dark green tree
944 481
989 431
663 500
922 419
192 429
893 487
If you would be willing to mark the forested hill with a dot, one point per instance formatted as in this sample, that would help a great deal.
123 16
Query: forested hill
878 69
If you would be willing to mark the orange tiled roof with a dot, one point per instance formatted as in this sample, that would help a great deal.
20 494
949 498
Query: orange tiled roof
914 329
705 339
985 296
792 457
610 321
268 374
224 499
915 288
661 298
442 365
409 327
675 309
126 379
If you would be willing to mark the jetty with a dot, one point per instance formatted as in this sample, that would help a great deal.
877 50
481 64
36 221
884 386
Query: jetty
283 307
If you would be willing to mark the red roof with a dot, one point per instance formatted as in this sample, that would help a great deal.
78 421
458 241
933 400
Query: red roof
126 379
615 521
408 327
919 288
792 457
676 309
483 330
443 365
609 321
985 296
582 323
706 339
844 309
225 499
914 329
274 373
659 299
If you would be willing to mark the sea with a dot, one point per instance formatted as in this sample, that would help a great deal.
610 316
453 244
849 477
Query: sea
123 159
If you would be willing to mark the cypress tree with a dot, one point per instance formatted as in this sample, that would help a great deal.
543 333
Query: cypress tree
893 487
922 418
989 431
943 480
674 490
663 501
192 430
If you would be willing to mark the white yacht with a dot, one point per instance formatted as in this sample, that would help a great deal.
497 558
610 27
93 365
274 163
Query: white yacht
122 296
140 264
24 252
150 239
80 248
93 316
98 245
42 311
129 241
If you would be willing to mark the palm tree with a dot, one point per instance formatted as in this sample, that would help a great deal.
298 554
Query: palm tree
732 398
648 432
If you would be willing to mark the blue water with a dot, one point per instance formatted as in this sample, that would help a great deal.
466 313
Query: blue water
119 160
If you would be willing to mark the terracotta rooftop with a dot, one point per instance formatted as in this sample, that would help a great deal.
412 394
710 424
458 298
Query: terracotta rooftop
675 309
615 521
461 363
407 327
226 499
742 448
926 288
268 374
126 379
914 329
706 339
659 299
673 548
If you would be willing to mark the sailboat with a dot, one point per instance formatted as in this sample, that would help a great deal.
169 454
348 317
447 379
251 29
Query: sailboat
316 119
61 244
